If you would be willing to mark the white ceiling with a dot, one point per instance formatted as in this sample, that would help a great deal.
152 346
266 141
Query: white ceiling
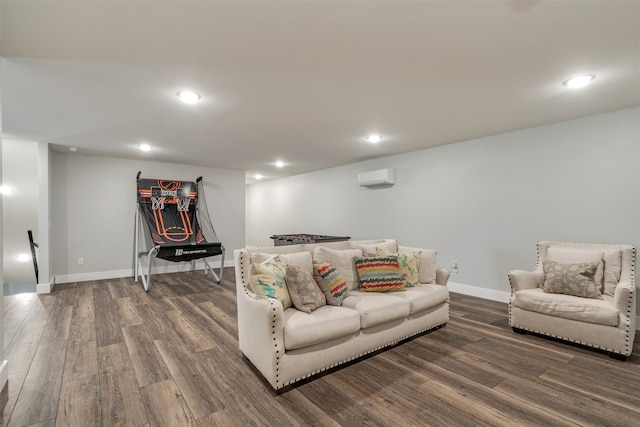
305 81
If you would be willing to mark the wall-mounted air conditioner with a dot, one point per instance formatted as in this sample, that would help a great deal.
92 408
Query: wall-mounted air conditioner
379 178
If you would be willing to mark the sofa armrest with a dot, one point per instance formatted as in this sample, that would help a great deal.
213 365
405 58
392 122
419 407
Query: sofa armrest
624 299
260 323
521 279
442 276
260 330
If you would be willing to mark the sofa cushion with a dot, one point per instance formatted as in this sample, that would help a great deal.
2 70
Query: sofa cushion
379 274
598 311
301 259
377 308
372 249
305 294
571 279
268 279
409 263
326 323
427 265
573 255
612 269
342 260
424 296
332 284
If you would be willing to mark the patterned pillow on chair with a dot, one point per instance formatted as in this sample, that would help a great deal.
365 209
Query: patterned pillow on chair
571 279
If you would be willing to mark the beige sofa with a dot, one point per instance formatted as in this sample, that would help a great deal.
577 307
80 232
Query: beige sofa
287 346
608 323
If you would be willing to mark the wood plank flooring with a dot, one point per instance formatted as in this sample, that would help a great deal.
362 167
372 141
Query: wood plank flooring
106 353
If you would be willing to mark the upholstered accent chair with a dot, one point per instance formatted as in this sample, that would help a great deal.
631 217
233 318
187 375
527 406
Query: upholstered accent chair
579 292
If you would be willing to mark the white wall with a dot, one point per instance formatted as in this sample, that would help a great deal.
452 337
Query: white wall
20 208
482 203
93 208
45 282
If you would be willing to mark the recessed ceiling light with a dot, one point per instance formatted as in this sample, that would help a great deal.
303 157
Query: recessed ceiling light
23 257
188 96
5 189
279 163
257 176
73 149
579 81
374 138
144 147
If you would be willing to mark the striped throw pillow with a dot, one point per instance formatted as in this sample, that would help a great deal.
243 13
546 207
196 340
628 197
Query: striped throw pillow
379 274
331 283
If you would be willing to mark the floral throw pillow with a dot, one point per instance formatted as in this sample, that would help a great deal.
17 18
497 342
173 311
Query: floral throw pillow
305 294
408 262
571 279
331 283
268 279
379 274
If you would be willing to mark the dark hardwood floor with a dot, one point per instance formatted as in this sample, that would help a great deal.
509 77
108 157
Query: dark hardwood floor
107 353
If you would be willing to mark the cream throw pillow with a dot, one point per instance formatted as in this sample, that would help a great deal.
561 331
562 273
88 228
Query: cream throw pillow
612 270
571 255
300 259
342 261
370 250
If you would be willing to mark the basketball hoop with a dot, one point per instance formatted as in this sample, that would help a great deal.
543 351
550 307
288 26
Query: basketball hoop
183 204
157 203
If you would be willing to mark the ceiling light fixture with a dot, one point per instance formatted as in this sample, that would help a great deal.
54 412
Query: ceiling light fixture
144 147
579 81
73 149
5 189
374 138
23 257
279 163
258 176
188 96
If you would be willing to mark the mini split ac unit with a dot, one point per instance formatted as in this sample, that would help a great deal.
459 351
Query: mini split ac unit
379 178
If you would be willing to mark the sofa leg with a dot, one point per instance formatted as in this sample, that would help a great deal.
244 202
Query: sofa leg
518 330
618 356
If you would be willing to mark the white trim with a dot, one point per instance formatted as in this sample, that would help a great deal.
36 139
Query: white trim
475 291
116 274
4 374
44 288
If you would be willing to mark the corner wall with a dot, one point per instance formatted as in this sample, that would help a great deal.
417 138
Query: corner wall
4 364
93 206
482 203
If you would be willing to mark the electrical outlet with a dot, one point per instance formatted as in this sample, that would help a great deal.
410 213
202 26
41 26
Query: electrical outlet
80 261
455 268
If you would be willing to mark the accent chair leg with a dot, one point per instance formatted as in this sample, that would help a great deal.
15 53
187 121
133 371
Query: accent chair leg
618 356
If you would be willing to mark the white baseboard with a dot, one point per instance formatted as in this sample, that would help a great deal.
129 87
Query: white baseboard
116 274
475 291
44 288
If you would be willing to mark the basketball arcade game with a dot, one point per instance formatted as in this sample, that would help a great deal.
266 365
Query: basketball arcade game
172 223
